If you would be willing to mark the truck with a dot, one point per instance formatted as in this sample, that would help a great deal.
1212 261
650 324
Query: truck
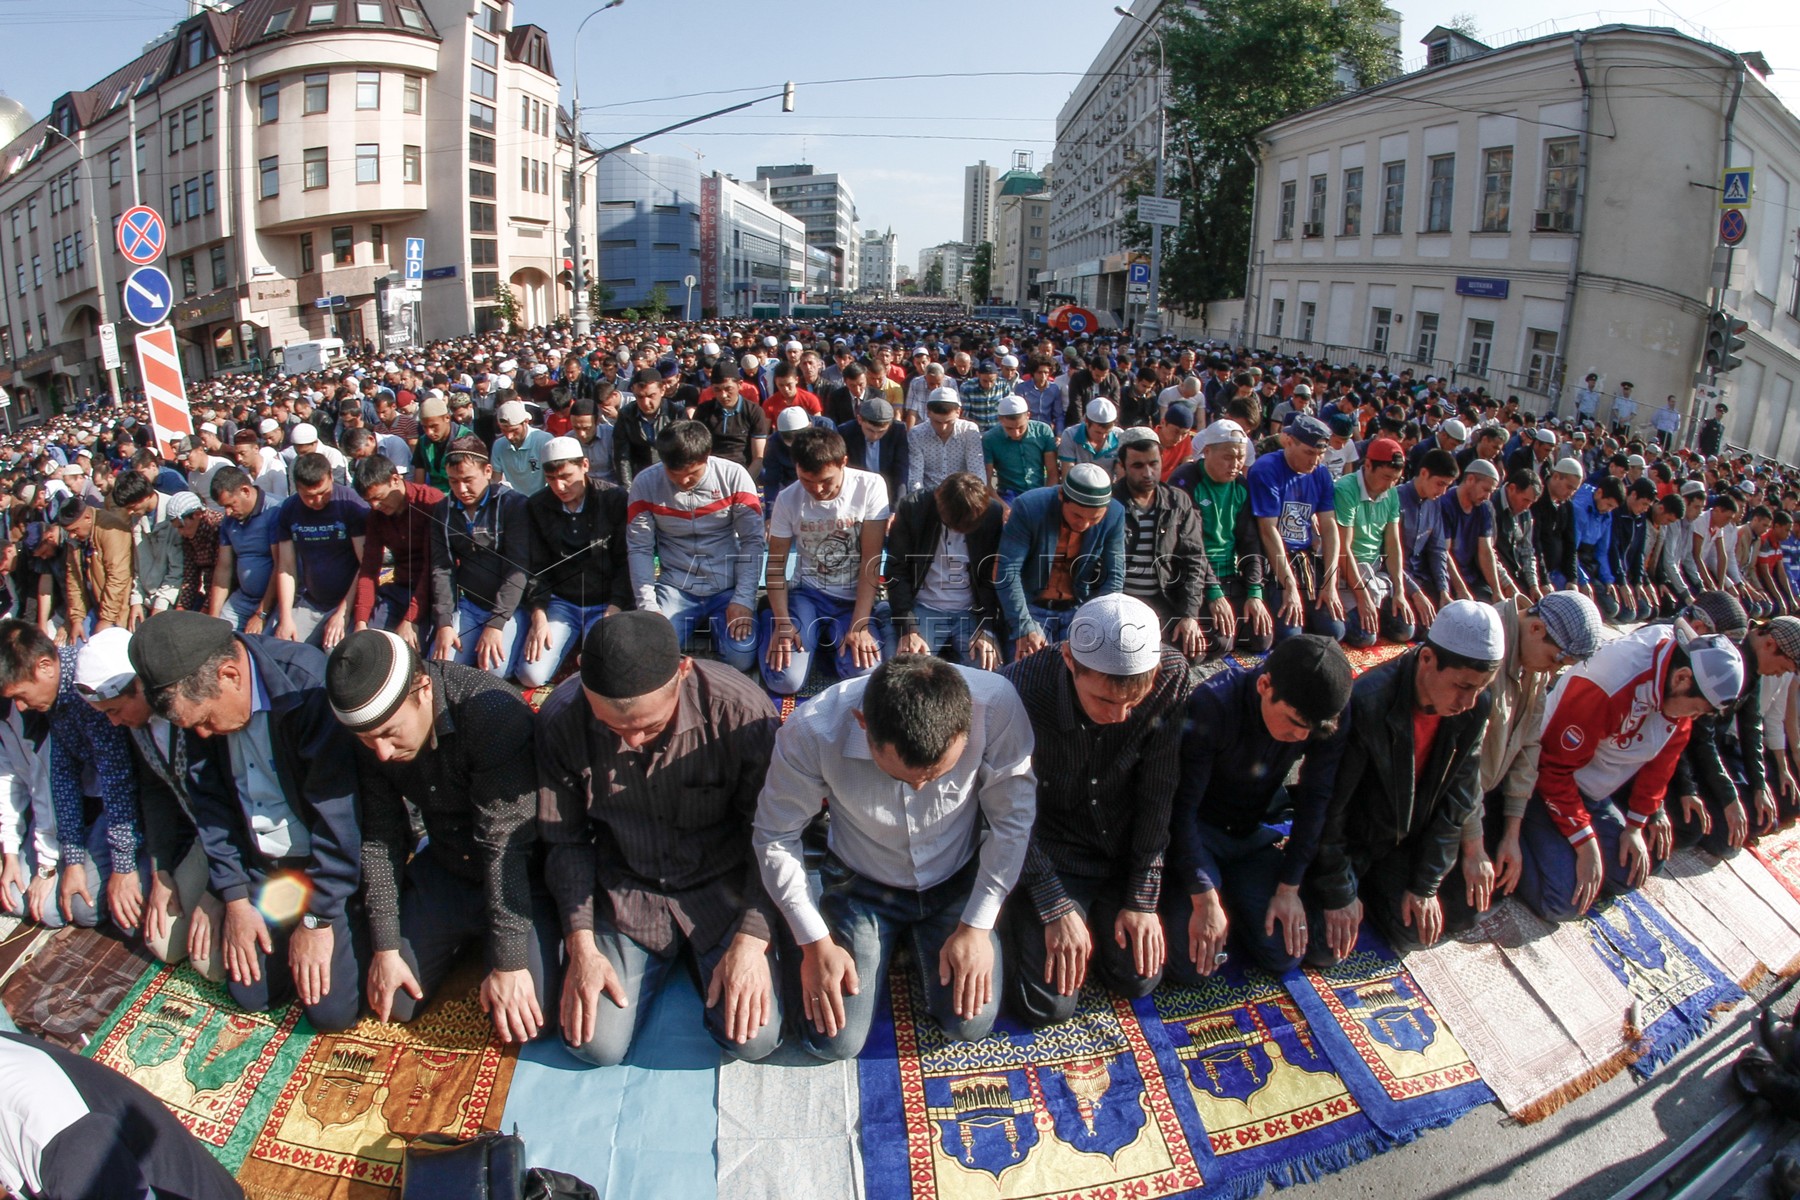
317 355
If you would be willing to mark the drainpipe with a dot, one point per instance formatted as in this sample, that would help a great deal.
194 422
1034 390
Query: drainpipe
1581 192
1252 327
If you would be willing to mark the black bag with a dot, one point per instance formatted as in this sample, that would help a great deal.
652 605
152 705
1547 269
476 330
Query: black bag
542 1183
490 1166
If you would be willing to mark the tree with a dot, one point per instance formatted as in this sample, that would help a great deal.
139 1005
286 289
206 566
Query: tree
933 283
1465 24
506 307
981 273
1234 69
657 306
599 296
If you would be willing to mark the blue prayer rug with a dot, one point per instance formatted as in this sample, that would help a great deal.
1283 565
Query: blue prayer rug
1674 986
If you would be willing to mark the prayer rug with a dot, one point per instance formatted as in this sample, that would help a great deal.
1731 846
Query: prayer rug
73 984
1522 1050
1079 1109
216 1067
1780 852
336 1128
1405 1068
1762 881
1365 658
1263 1101
1713 936
19 941
1675 989
1692 879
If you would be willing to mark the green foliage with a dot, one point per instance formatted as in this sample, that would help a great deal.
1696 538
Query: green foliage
981 273
1234 69
933 283
657 306
632 314
506 307
599 296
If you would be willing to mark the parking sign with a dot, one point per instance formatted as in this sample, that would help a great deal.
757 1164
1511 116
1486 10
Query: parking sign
414 273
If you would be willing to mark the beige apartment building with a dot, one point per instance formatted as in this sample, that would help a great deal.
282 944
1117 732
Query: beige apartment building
292 147
1518 218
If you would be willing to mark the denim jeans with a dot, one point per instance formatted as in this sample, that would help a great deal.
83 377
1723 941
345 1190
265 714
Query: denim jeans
819 618
1317 619
1387 624
1053 623
866 918
239 608
441 912
12 901
1547 882
567 623
340 1007
391 601
471 620
942 629
1247 870
685 610
642 975
1036 1003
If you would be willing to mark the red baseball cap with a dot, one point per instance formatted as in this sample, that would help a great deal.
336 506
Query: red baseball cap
1386 452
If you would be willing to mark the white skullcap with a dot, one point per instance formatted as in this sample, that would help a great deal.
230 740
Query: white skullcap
1223 433
563 449
1468 628
1116 634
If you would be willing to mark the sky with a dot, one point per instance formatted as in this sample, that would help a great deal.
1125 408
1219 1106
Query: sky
897 100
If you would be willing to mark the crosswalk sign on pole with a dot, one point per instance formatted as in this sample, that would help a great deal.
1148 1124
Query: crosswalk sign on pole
1734 191
159 366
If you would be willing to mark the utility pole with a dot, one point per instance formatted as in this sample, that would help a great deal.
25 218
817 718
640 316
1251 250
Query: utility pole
100 251
578 304
1153 327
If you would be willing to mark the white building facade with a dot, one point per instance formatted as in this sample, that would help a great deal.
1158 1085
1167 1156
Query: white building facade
292 149
1569 226
955 257
878 270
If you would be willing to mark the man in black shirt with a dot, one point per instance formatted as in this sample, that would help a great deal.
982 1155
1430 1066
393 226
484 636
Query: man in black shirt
478 557
1165 556
634 433
1515 535
579 570
739 429
427 735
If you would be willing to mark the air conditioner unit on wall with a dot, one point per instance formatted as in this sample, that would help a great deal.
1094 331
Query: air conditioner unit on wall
1551 220
1312 229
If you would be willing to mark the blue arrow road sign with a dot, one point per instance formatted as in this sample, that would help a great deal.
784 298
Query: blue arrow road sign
1138 273
149 296
415 258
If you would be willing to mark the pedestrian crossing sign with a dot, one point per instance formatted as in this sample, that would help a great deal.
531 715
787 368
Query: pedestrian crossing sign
1735 191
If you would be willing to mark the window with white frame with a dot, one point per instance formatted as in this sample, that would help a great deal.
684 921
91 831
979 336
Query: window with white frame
1381 328
1481 348
1425 335
1440 195
1277 310
1496 189
368 162
1353 188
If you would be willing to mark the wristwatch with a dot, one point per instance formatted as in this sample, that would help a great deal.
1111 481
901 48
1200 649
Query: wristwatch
46 872
314 922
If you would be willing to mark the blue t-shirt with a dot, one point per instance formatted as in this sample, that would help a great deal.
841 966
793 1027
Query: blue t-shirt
325 561
1790 557
1464 530
252 543
1278 491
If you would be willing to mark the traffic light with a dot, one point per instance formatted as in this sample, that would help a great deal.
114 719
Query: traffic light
1724 339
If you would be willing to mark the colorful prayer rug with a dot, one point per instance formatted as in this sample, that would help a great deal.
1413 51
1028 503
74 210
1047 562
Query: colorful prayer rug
1780 852
1078 1109
1692 917
1674 987
1262 1102
1402 1063
1522 1050
73 984
336 1129
216 1067
1690 880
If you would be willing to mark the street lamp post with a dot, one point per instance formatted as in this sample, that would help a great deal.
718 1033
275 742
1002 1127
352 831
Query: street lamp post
100 250
1153 327
578 304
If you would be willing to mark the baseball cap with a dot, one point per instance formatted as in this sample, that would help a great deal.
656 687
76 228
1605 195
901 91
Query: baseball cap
1385 452
103 665
1718 667
1308 430
1223 433
1573 622
512 413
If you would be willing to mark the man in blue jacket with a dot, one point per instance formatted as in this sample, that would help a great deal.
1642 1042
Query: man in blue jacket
1061 547
272 777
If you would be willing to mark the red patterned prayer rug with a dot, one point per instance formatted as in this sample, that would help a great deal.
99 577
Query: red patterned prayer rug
1780 852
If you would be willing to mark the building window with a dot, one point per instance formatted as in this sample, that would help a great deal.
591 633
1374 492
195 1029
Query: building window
412 90
208 119
481 116
115 165
322 13
190 282
318 94
143 162
196 48
484 52
1481 348
1559 183
1277 310
174 137
483 83
1381 327
1315 207
220 275
270 170
1496 190
174 204
1286 227
377 243
190 125
1441 193
481 183
314 175
1393 195
411 167
191 194
368 89
484 284
484 252
368 162
209 191
1542 365
1352 225
527 175
481 217
525 113
369 11
269 99
31 213
343 246
481 149
1425 326
487 18
1309 312
410 18
278 23
306 254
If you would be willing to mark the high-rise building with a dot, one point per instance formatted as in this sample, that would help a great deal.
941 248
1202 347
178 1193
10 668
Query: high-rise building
979 193
824 202
1022 238
286 147
877 271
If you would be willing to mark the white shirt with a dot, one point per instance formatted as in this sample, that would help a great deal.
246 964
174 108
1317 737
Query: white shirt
946 586
886 831
37 1102
828 533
